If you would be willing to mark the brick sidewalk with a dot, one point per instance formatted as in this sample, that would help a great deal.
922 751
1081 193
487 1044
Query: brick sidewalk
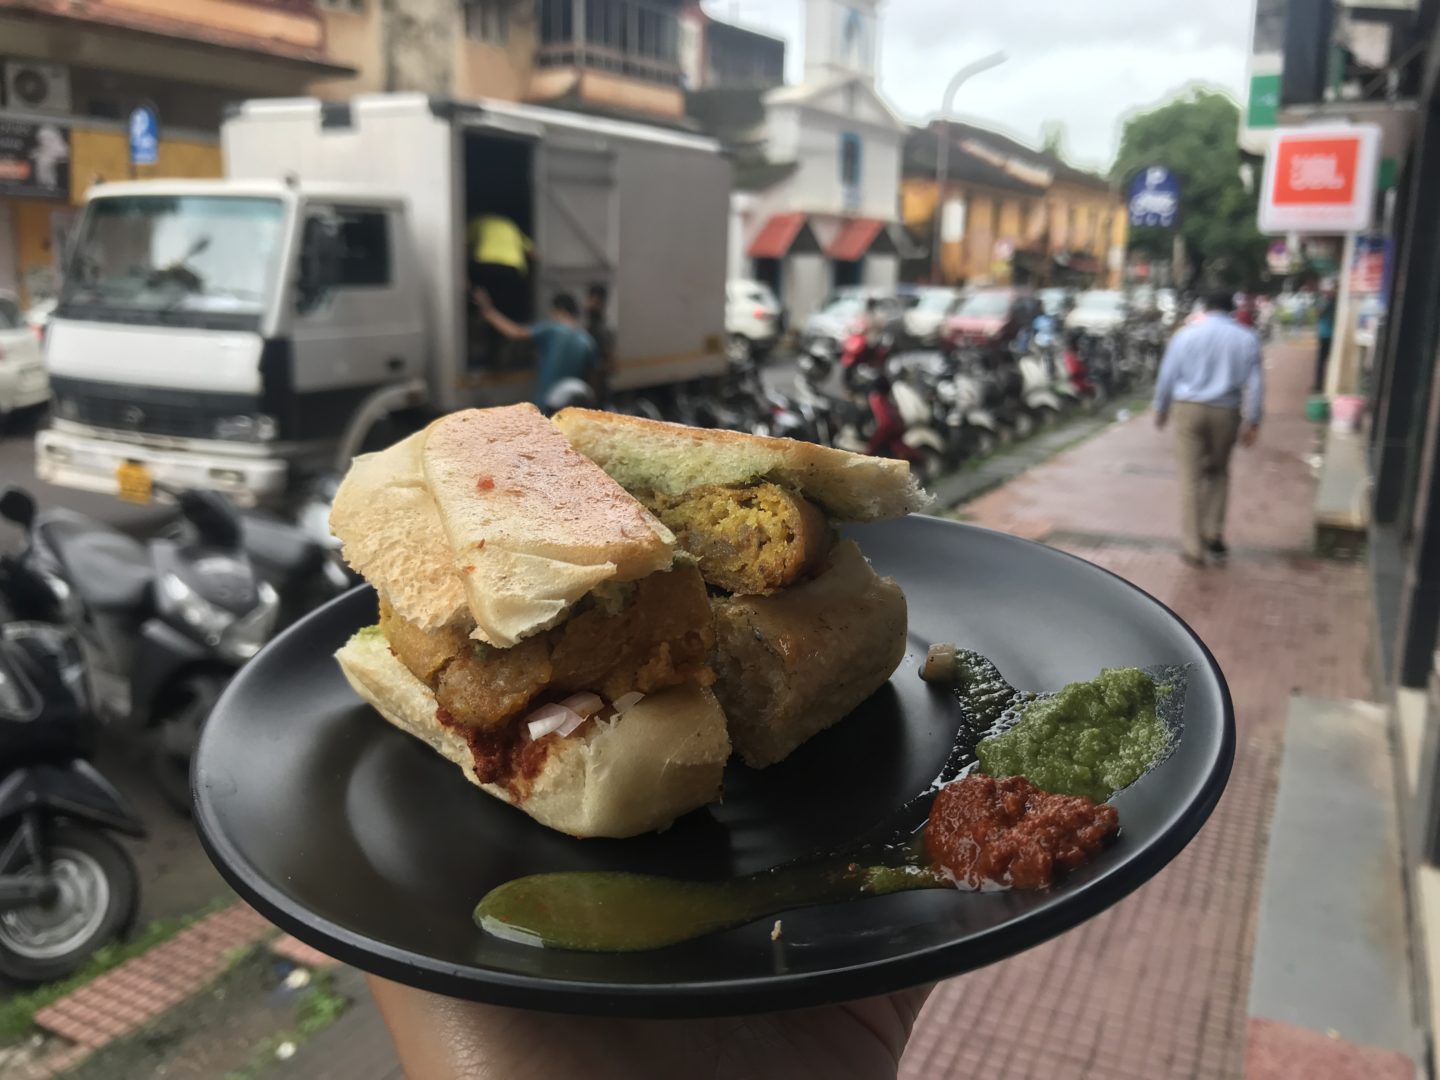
1156 987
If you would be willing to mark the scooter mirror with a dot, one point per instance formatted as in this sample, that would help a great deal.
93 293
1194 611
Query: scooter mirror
17 506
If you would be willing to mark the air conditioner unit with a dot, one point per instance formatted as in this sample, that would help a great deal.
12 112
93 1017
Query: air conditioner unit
34 87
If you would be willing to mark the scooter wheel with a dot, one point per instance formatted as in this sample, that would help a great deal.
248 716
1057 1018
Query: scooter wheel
99 894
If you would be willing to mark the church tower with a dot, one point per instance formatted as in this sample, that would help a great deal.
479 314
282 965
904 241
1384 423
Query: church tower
841 40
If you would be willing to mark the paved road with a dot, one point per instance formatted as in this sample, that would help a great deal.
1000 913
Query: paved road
176 876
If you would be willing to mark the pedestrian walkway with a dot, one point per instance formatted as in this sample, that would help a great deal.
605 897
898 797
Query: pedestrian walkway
1156 987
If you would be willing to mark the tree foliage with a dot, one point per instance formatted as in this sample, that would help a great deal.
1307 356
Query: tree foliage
1195 137
1052 138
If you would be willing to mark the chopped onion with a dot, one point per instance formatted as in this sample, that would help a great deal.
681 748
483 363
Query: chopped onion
625 702
550 718
573 721
584 703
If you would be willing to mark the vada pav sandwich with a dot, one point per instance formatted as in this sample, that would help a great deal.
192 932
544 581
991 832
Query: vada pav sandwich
538 626
805 630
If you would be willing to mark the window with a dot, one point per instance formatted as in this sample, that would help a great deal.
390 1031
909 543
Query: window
354 7
488 20
347 248
850 159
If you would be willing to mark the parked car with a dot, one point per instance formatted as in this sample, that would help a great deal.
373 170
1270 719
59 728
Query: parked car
828 328
752 319
988 318
925 319
1098 311
23 380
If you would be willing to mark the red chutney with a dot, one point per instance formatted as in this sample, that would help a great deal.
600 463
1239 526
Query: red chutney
1012 833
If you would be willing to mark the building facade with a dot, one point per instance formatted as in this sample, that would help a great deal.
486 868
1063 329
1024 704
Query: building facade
826 214
616 57
72 73
1013 214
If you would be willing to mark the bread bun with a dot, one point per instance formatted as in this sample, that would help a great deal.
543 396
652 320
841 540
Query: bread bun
492 509
650 455
790 665
635 774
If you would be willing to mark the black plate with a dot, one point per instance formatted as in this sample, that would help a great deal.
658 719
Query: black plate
364 843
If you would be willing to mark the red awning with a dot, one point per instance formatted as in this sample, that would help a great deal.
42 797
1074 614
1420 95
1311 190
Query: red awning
855 239
774 240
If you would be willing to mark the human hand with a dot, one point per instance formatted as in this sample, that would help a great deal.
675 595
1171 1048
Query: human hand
1249 435
1160 419
441 1038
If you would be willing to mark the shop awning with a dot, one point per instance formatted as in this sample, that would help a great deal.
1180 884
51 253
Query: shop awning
774 240
854 239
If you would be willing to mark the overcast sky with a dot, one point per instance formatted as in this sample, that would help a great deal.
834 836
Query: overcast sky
1086 63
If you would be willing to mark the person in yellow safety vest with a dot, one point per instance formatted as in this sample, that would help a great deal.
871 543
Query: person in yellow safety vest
500 259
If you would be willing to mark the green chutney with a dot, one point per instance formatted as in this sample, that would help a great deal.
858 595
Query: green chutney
1092 738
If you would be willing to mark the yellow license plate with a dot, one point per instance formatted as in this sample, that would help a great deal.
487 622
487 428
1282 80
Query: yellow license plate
134 481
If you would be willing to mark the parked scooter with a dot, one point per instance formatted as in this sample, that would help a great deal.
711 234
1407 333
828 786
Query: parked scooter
66 887
162 626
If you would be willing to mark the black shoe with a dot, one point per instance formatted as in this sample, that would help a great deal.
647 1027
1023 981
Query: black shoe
1217 548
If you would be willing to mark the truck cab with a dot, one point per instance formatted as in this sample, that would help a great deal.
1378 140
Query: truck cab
223 334
245 334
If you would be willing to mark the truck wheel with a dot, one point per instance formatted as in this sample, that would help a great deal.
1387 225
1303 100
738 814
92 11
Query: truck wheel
177 733
99 893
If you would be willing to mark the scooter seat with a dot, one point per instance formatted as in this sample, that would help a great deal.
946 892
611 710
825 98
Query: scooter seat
109 571
280 552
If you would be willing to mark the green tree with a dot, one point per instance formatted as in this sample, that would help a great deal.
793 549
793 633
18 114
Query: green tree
1195 137
1052 138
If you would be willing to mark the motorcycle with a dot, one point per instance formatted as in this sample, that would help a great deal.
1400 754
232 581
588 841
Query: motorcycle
881 395
162 626
67 888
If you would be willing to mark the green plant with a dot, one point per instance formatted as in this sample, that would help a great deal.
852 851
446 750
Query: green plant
319 1008
17 1015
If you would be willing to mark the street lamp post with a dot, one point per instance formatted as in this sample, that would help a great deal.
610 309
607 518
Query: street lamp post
942 157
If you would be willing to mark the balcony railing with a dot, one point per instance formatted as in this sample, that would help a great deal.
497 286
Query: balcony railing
627 37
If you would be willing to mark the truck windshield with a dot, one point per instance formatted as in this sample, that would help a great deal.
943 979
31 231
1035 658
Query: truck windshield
190 259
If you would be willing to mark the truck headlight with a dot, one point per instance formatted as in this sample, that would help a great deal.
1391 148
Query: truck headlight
247 427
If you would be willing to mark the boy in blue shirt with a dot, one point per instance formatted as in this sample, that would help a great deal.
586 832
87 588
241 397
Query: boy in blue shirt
563 350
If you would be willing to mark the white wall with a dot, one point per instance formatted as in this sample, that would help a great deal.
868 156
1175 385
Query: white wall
782 132
880 176
881 271
817 181
807 283
737 234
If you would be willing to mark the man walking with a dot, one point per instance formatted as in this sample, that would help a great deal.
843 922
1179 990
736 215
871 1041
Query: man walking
1324 334
1213 377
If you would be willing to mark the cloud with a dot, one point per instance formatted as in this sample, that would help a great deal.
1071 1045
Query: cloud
1085 63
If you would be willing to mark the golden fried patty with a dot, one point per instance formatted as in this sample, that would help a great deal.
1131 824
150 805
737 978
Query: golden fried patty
751 540
658 634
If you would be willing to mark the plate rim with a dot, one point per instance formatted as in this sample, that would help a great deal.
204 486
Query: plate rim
728 997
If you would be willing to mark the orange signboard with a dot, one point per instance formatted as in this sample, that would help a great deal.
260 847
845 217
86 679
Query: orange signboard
1320 179
1315 172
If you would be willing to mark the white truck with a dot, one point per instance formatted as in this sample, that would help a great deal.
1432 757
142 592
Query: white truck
246 334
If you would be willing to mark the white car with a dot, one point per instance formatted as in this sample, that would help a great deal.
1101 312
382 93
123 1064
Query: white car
1098 311
752 318
24 382
925 320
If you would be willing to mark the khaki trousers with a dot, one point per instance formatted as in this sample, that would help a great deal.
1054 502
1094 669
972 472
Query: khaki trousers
1204 437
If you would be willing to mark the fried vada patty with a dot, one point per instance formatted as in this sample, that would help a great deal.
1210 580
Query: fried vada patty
751 540
647 635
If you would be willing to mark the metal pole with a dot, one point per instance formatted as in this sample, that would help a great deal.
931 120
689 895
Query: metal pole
942 157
